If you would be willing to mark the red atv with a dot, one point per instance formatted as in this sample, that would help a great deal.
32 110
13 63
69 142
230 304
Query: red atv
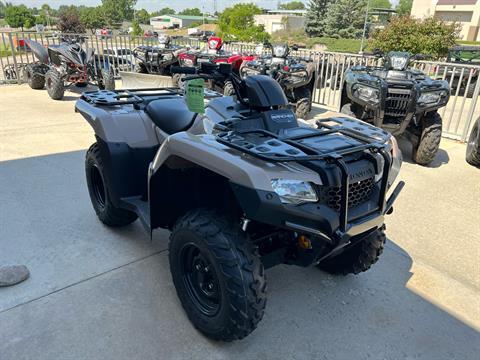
215 55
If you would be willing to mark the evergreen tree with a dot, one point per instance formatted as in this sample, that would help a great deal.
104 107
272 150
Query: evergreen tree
315 22
345 19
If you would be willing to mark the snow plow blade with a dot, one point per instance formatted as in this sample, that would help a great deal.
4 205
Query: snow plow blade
133 80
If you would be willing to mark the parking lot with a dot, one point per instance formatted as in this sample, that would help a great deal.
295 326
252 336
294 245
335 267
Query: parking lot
100 293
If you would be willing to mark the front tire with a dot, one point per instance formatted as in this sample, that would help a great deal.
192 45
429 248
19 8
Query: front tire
228 89
303 102
106 211
360 257
140 69
348 110
218 275
34 77
108 79
54 84
429 143
473 147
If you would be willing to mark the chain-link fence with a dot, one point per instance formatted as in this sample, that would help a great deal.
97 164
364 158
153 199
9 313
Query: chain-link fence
459 114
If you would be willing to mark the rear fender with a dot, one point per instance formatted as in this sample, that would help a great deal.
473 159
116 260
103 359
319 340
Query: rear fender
38 50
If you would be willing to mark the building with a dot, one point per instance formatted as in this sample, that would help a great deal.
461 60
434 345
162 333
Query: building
177 21
465 12
274 20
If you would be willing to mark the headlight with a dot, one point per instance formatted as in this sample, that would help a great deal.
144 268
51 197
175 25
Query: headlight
188 61
366 93
167 57
398 62
431 97
294 191
279 50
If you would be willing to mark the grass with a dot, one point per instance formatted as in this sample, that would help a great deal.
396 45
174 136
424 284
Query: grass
331 44
464 42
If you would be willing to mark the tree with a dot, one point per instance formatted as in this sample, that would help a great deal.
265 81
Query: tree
292 5
117 11
191 12
237 23
404 7
19 16
429 36
164 11
69 21
93 18
142 16
345 19
136 28
315 22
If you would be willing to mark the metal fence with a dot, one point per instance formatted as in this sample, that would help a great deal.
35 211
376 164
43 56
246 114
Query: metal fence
459 114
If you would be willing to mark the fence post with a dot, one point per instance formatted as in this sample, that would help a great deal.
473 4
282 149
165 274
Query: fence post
15 65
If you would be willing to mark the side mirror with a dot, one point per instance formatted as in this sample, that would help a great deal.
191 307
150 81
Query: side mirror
377 52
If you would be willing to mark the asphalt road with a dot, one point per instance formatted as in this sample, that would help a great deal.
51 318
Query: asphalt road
98 293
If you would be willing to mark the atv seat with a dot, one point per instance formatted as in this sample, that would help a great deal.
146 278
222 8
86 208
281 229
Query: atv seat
170 115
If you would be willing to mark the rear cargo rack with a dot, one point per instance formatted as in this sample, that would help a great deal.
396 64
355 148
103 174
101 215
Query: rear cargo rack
136 96
285 149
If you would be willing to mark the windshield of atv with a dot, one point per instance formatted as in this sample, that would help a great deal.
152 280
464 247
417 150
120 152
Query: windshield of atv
465 56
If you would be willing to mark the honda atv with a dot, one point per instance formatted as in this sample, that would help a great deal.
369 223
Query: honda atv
242 188
157 59
213 55
295 75
61 66
399 99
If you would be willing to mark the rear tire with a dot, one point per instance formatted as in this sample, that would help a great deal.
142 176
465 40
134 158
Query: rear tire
218 275
429 142
106 211
34 76
54 84
140 69
473 147
360 257
303 102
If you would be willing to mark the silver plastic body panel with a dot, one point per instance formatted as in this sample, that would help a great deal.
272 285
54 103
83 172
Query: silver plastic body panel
205 151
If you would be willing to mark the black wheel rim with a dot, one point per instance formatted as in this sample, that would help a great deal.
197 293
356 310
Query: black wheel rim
97 186
200 280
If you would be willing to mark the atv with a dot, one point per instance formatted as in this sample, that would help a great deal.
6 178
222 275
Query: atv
242 188
399 99
61 66
473 147
295 75
465 78
157 59
214 55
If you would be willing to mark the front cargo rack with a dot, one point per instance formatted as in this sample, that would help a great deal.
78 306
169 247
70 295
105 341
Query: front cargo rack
136 96
272 147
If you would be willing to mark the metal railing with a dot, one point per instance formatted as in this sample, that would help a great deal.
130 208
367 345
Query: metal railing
458 116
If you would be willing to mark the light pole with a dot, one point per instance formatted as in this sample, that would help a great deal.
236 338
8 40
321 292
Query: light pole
365 26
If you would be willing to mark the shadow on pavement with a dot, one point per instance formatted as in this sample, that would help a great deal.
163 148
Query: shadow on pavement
100 293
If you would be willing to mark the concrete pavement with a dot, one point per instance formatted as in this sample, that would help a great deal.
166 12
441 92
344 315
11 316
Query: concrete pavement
98 293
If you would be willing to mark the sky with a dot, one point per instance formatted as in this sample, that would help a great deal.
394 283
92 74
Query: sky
152 5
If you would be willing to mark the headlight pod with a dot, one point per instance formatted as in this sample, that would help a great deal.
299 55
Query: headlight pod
248 71
432 97
298 76
366 93
294 191
398 62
